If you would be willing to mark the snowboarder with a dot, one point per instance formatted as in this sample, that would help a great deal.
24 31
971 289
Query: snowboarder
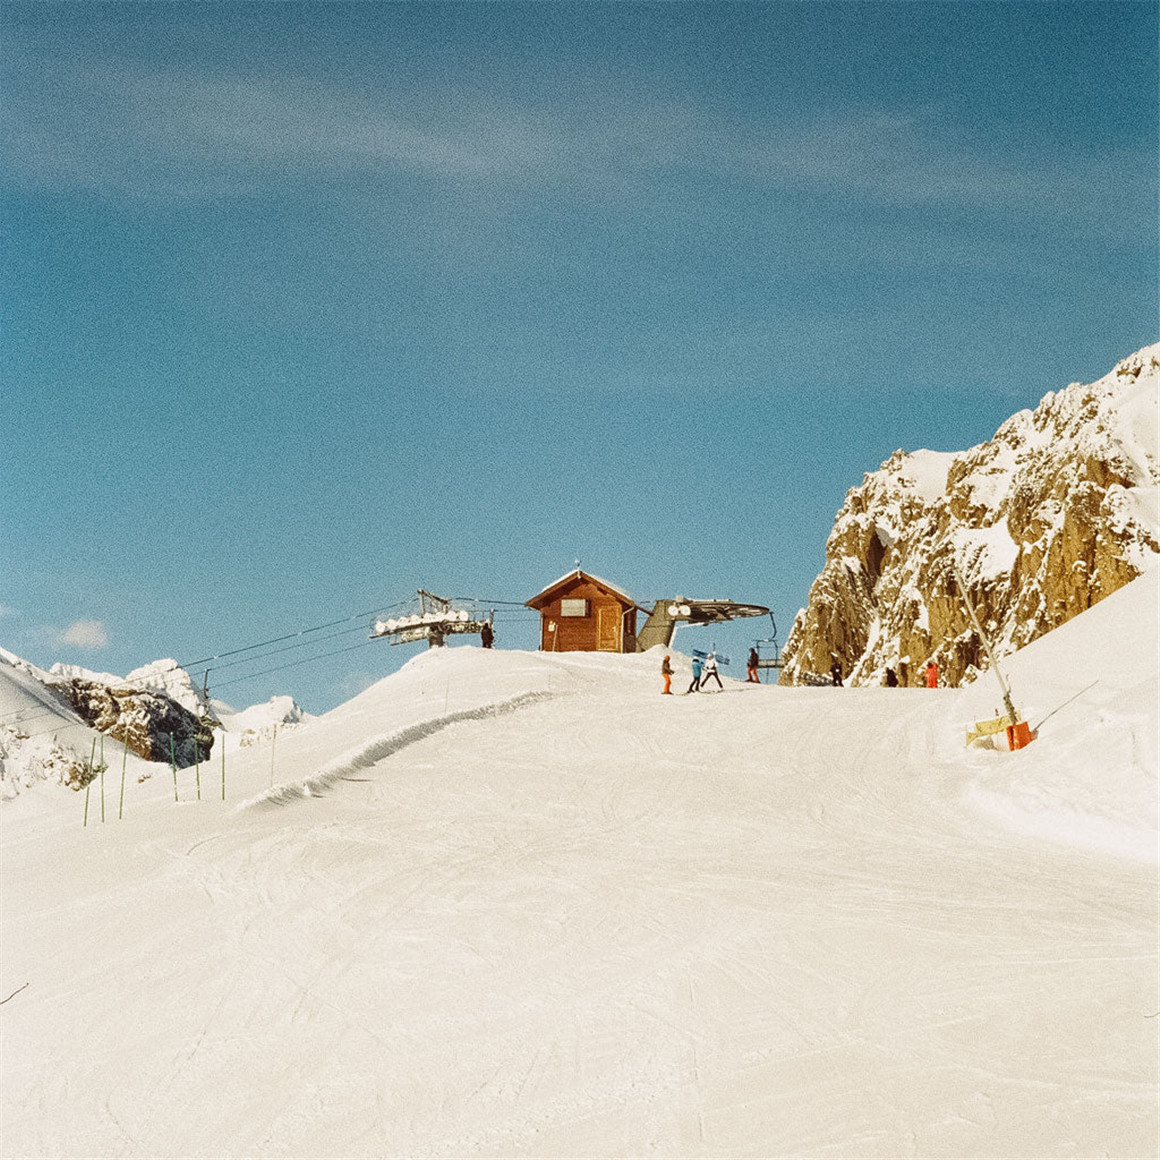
891 679
667 673
695 687
711 671
751 668
486 635
836 673
932 675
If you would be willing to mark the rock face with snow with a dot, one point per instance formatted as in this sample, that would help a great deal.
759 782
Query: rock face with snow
145 710
155 710
165 677
1054 513
152 724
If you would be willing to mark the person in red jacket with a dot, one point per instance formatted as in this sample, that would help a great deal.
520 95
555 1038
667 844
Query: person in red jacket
932 675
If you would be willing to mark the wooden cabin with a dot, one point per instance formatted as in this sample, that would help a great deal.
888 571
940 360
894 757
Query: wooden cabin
582 613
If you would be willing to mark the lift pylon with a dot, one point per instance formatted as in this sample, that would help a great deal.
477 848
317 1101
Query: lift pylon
437 618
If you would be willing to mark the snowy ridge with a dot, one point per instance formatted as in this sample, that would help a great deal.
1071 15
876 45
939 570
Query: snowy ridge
371 752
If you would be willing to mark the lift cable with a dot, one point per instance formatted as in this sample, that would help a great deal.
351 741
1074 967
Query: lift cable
291 636
510 609
291 664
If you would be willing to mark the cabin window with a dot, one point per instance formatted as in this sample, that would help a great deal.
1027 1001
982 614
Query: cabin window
573 608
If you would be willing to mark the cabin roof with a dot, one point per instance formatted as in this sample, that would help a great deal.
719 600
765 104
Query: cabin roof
542 597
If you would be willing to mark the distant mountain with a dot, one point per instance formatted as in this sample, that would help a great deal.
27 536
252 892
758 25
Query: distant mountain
1054 513
258 722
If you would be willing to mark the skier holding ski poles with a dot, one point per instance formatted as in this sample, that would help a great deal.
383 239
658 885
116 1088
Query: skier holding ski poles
711 671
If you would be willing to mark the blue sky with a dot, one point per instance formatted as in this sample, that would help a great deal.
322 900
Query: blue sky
306 306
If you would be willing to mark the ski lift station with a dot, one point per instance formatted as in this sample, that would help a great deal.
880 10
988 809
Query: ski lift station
583 613
578 613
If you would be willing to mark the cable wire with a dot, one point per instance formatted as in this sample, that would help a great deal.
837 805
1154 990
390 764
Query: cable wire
291 635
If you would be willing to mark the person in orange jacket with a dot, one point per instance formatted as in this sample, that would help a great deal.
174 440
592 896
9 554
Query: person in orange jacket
932 675
667 673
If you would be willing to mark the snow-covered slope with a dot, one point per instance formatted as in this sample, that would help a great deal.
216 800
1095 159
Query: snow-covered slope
523 905
1055 512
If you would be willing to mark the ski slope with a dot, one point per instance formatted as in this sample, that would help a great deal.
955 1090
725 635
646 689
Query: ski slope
513 904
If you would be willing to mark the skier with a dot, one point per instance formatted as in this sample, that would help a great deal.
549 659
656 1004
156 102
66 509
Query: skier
695 687
836 673
486 635
891 679
751 668
667 673
711 670
932 675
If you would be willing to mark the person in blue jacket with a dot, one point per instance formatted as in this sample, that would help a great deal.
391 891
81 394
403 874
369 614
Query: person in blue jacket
696 685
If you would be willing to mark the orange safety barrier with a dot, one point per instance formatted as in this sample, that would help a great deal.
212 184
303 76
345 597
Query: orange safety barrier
1019 735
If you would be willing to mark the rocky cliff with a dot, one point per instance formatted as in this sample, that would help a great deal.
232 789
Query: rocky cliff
1051 515
153 725
156 710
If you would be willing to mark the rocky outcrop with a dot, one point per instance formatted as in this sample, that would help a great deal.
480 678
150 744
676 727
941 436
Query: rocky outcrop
152 724
1054 513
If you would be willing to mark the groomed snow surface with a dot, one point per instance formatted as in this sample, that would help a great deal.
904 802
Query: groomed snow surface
512 904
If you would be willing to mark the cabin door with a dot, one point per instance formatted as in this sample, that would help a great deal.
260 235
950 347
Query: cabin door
608 617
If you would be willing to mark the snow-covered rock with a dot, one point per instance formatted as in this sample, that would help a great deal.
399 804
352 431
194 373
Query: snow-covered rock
26 760
151 723
163 676
1054 513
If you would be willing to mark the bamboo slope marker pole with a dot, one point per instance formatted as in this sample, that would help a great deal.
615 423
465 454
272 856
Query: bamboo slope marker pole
89 783
223 765
273 743
102 780
197 763
173 762
124 759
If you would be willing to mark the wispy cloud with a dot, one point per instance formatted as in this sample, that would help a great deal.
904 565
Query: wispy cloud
85 634
184 135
